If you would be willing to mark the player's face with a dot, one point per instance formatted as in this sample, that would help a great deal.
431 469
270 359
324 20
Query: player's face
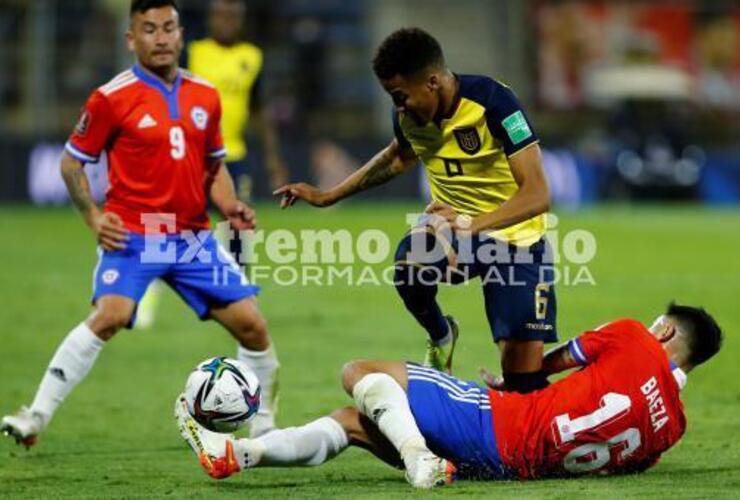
156 38
226 20
417 97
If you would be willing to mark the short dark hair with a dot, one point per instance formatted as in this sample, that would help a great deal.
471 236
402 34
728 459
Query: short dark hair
405 52
141 6
705 335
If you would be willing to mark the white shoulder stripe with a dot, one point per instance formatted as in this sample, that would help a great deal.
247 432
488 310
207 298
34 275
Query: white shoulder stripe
114 88
196 79
118 78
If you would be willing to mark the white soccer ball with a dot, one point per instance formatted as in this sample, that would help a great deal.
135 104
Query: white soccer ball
222 394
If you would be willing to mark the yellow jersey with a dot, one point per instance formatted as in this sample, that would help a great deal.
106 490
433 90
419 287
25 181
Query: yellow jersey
234 70
466 155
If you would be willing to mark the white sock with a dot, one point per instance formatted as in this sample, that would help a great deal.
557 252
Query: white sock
265 365
383 400
70 364
312 444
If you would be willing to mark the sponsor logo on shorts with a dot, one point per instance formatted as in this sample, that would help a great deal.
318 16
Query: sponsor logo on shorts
538 326
110 276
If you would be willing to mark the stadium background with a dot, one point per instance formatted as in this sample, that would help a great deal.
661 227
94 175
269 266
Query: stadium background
637 104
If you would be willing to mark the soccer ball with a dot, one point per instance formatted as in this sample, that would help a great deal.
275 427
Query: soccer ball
222 394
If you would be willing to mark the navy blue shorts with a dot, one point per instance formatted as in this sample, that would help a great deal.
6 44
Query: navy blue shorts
518 282
456 421
202 273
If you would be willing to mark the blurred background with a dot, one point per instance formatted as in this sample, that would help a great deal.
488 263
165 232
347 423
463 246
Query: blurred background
633 100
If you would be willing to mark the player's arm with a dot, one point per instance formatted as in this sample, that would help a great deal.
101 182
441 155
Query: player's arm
558 360
532 198
510 126
108 227
581 350
384 166
223 196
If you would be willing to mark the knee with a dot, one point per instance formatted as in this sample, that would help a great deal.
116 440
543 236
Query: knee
105 322
346 417
352 372
251 332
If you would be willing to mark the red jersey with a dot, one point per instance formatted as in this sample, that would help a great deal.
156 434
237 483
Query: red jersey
616 414
160 143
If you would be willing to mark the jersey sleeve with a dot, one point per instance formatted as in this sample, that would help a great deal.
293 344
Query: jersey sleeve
215 149
507 120
587 347
398 132
93 130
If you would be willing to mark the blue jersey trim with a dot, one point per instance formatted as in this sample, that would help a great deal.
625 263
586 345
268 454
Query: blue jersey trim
574 346
217 154
170 95
79 154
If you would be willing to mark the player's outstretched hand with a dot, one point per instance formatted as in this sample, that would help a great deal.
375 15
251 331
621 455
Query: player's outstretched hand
495 382
240 216
110 231
291 193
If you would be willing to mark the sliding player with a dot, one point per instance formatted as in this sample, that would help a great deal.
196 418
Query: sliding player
160 127
617 414
485 170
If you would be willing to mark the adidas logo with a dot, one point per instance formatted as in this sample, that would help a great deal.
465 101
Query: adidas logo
377 413
147 121
58 373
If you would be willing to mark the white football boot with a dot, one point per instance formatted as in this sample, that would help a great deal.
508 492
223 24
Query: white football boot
425 470
215 451
24 426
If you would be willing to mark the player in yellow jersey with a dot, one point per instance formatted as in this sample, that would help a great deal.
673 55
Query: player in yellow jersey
485 171
235 67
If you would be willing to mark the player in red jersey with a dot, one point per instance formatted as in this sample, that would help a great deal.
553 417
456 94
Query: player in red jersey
160 127
617 414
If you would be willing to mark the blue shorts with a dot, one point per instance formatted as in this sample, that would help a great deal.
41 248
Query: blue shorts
455 419
198 269
519 294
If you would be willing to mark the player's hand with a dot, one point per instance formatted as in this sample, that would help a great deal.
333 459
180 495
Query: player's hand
495 382
301 191
110 231
240 216
447 214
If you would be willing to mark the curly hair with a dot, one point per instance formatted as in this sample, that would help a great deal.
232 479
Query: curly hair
405 52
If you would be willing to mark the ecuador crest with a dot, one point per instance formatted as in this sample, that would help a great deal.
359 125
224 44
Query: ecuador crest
468 139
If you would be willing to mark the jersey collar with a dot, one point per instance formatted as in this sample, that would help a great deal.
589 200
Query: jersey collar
679 375
170 95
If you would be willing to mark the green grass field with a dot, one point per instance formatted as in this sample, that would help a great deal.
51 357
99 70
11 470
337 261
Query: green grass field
115 435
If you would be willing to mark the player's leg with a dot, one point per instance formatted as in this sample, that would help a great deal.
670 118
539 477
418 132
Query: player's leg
71 362
312 444
120 280
246 324
379 391
416 280
521 310
146 312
